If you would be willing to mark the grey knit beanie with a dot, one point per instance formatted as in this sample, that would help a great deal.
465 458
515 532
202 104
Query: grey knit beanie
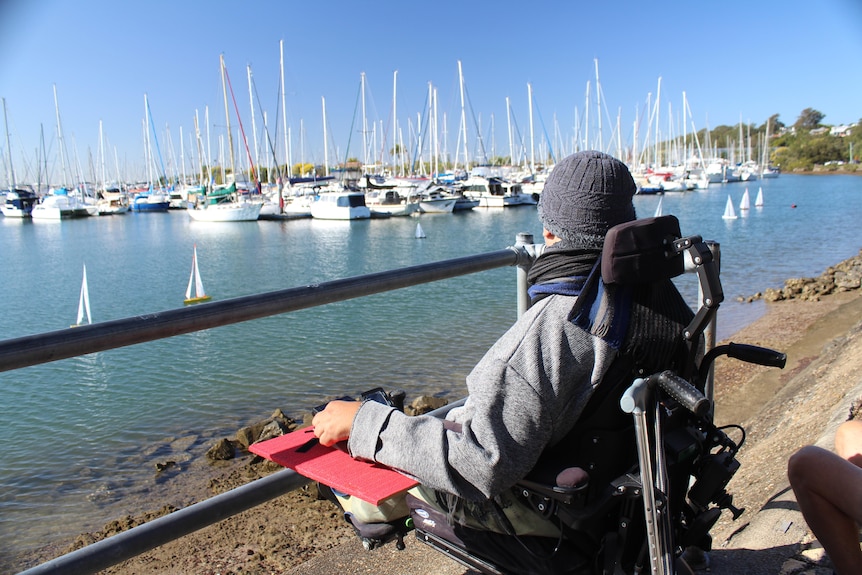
586 194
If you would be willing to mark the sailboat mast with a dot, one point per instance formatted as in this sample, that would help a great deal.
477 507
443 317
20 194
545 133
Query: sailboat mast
103 175
209 142
599 105
587 118
227 118
200 151
253 123
364 124
60 139
509 131
532 150
284 113
657 115
463 116
394 118
435 134
147 150
325 150
12 184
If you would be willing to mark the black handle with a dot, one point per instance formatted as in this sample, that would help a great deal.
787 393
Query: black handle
756 354
682 391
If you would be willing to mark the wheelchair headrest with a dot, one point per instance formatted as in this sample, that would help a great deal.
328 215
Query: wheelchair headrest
641 251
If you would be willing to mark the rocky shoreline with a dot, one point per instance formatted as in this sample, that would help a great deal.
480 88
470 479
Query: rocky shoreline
277 536
844 276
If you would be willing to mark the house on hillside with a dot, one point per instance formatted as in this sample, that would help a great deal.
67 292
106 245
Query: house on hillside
841 131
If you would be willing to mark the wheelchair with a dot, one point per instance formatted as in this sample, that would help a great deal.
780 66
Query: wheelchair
641 479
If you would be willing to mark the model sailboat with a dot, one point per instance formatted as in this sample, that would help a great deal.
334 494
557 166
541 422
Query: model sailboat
758 202
83 303
195 290
745 202
729 212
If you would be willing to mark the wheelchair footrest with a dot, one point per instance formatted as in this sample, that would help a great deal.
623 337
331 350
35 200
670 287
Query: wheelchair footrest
458 554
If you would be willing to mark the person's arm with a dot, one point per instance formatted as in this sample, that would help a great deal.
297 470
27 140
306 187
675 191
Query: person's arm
503 428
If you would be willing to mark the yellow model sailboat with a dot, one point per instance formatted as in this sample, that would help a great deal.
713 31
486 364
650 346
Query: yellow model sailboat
195 290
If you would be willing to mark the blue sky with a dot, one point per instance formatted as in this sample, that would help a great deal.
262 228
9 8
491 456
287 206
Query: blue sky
734 60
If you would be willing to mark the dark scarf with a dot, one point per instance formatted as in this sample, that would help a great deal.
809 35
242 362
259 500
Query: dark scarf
601 310
560 271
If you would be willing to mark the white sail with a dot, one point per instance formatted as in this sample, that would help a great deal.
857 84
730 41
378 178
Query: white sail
758 202
420 233
729 212
84 302
745 202
658 211
195 290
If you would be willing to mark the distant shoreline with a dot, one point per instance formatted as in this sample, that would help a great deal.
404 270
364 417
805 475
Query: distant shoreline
824 173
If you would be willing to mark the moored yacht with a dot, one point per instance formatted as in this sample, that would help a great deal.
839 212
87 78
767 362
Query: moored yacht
390 201
343 204
224 204
112 201
437 200
59 205
19 203
150 201
494 192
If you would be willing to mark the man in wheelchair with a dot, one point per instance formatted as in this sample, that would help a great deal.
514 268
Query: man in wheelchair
536 471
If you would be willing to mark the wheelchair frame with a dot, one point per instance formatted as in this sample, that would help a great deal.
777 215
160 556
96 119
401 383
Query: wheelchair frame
643 251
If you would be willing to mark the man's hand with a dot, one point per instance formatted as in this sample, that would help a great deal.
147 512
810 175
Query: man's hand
333 423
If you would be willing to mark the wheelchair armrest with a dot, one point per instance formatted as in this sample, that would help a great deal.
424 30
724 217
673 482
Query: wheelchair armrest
567 495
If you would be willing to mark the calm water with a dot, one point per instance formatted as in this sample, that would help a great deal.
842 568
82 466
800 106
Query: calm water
81 436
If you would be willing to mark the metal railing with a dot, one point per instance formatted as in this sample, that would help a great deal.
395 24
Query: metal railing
66 343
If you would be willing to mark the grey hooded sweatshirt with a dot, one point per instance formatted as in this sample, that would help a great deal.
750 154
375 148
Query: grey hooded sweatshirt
524 394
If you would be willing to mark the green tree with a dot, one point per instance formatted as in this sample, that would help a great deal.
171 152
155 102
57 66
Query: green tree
774 124
809 119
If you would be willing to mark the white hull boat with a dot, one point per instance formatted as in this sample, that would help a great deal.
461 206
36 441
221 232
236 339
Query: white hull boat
495 192
346 205
226 212
59 206
19 203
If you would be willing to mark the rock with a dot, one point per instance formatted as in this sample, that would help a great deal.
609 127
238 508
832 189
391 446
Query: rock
287 423
221 451
424 404
248 435
165 466
845 276
272 429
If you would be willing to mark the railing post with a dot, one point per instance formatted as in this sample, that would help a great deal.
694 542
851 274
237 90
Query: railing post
527 254
709 332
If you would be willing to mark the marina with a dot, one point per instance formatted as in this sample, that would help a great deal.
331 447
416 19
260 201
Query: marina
118 412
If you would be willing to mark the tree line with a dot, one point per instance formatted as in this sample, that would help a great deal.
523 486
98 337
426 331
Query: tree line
805 145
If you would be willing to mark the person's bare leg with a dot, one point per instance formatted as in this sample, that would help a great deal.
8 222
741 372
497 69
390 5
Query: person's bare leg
828 489
848 441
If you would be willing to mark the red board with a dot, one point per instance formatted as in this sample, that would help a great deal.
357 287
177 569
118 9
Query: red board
331 466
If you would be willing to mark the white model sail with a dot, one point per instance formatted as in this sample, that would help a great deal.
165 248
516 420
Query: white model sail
729 212
84 302
195 290
745 203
